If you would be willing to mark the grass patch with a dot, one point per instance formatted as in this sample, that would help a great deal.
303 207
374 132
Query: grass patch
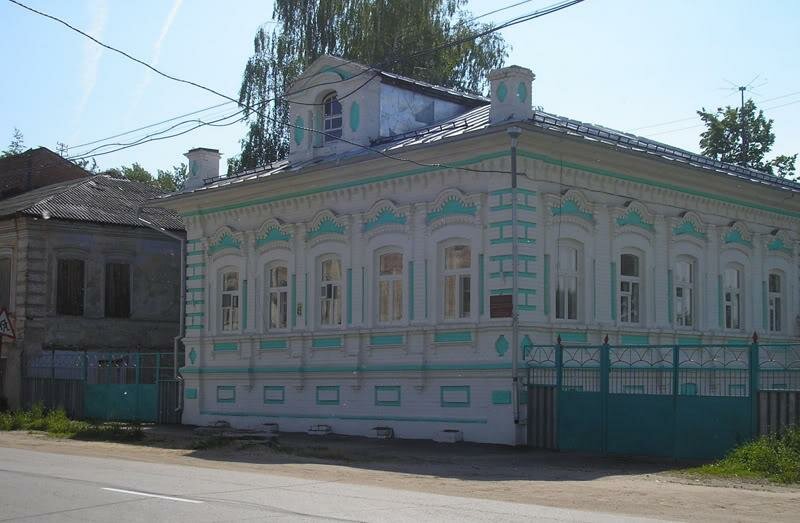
776 458
210 442
56 423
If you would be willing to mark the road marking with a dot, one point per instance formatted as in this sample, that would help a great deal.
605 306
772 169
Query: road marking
147 494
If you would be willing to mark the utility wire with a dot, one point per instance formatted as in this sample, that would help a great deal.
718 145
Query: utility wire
536 14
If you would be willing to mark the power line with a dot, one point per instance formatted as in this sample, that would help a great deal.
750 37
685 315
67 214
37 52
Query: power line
536 14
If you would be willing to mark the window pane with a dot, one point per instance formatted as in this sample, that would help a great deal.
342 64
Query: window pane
774 283
70 287
560 298
572 299
118 297
450 297
465 296
230 281
634 303
383 301
331 270
397 293
279 277
457 257
629 265
391 263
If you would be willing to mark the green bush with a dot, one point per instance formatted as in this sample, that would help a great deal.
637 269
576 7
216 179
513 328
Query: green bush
772 457
57 423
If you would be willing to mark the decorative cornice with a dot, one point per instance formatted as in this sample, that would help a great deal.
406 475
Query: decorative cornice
325 225
636 215
451 206
779 242
273 234
224 238
572 204
738 233
384 215
690 225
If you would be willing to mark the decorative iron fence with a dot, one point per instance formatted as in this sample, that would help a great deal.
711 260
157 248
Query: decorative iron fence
684 401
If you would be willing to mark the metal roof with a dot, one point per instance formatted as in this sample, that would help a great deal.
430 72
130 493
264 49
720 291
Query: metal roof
476 119
97 199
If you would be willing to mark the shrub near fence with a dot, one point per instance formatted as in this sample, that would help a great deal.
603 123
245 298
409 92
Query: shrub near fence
681 401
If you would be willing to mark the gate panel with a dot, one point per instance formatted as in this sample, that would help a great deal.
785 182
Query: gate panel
580 421
542 415
708 427
113 402
640 425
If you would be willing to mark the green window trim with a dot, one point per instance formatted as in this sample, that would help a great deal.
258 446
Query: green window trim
274 344
190 393
274 395
394 392
226 347
326 389
327 342
452 337
226 394
501 397
447 390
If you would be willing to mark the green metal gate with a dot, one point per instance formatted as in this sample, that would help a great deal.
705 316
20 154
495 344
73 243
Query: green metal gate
679 401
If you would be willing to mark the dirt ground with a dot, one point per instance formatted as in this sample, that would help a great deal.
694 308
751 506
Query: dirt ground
632 487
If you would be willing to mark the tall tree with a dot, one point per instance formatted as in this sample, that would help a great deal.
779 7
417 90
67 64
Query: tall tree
169 180
386 32
16 146
743 136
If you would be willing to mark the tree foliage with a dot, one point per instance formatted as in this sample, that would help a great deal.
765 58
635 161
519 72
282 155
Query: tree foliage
743 136
16 146
388 33
166 180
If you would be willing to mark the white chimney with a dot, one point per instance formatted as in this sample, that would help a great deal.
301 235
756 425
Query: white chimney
203 164
511 94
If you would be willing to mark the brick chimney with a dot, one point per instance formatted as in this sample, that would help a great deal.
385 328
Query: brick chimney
203 164
511 94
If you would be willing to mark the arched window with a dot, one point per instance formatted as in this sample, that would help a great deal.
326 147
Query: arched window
684 294
330 297
456 284
567 284
277 297
332 118
229 301
390 287
775 302
732 288
630 284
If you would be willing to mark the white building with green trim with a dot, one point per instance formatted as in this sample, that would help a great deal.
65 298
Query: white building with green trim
354 284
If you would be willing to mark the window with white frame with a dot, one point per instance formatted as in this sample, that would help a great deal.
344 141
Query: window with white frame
775 302
330 297
390 287
277 297
684 295
630 285
229 300
568 277
332 118
457 281
732 289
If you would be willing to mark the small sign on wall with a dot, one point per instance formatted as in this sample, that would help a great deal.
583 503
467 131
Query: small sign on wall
6 327
501 306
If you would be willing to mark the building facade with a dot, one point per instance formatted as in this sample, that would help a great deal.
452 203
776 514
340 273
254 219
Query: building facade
362 288
78 272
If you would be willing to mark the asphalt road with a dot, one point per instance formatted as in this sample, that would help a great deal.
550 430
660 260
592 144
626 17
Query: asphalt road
39 486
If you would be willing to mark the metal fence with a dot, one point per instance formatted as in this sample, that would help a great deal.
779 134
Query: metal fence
123 386
686 401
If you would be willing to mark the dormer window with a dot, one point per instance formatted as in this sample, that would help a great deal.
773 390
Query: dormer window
332 117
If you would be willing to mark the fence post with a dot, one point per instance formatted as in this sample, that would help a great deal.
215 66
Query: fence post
676 355
559 364
755 385
605 364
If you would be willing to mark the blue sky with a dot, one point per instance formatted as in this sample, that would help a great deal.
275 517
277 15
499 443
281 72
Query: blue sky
626 64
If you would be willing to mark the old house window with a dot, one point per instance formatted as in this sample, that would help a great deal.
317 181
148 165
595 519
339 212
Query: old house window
390 287
775 302
332 118
277 296
732 288
684 293
5 283
457 278
70 287
118 290
629 288
568 276
330 297
230 301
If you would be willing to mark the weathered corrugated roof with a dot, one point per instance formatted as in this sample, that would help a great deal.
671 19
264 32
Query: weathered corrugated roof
98 199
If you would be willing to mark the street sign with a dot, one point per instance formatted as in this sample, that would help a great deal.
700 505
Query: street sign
501 306
6 327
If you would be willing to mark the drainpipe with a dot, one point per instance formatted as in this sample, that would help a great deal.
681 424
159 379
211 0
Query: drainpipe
182 321
513 133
